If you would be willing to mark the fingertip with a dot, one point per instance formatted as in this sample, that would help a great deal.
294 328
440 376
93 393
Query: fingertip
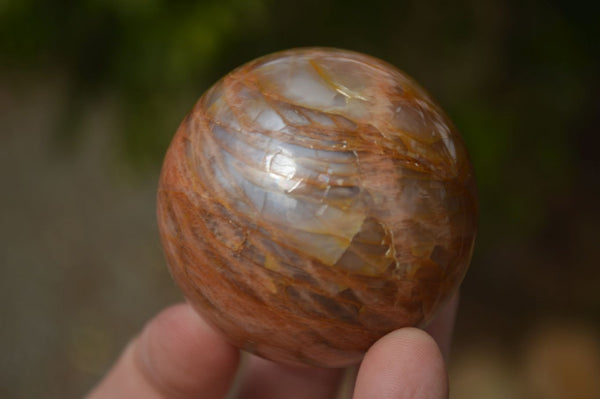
177 356
183 356
406 363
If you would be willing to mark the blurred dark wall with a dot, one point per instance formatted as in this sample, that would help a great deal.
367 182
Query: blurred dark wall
92 91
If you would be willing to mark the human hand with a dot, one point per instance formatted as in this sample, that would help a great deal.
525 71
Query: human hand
179 356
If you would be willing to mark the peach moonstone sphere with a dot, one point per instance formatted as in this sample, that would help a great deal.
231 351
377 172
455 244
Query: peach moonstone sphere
314 200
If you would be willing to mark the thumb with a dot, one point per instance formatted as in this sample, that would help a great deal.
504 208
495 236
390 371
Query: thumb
406 363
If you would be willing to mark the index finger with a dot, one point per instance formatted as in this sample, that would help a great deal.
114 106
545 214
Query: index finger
177 355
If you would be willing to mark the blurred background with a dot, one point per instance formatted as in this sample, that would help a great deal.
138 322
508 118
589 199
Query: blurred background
92 91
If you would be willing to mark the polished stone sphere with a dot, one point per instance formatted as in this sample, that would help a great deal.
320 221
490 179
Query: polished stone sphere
314 200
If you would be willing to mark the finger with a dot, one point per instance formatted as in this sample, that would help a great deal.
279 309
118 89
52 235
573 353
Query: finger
263 379
442 326
177 355
406 363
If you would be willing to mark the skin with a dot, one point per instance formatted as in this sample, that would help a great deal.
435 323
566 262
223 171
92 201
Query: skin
179 356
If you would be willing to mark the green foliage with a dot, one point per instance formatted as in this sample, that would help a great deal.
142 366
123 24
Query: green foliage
155 56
